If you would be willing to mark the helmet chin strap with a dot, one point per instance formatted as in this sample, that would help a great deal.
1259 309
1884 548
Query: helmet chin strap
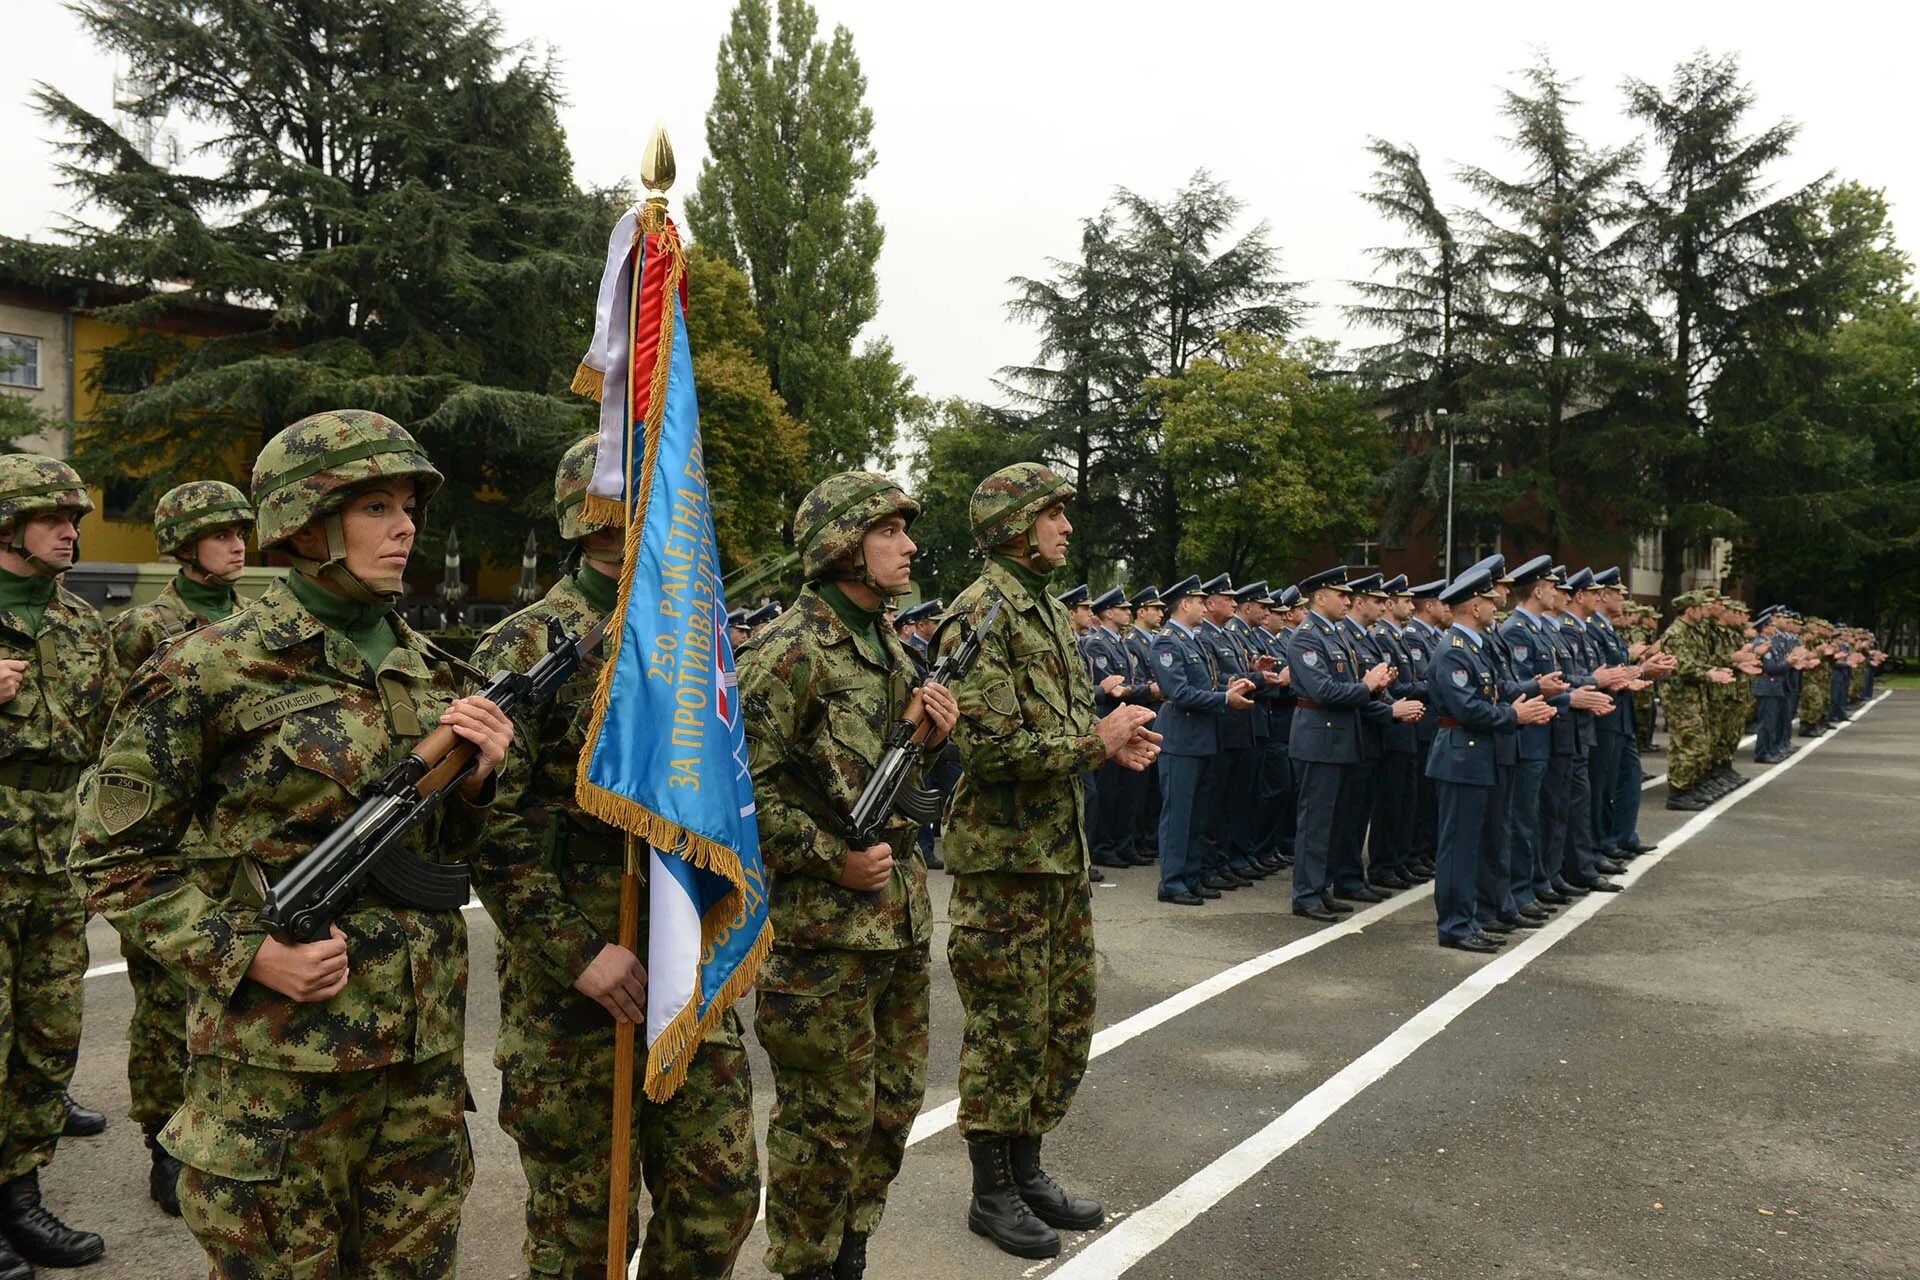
333 569
41 568
212 579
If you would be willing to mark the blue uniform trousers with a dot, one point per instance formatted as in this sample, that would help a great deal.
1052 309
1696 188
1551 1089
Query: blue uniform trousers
1554 793
1461 834
1395 793
1231 793
1526 869
1603 770
1348 868
1110 835
1426 814
1837 693
1580 860
942 777
1273 818
1316 792
1495 895
1180 825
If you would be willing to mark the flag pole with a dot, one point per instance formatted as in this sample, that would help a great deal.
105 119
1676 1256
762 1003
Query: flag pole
656 175
618 1185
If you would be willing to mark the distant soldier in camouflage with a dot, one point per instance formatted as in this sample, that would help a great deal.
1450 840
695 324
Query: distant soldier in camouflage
1687 696
549 875
55 677
1817 684
843 999
1021 947
322 1132
204 525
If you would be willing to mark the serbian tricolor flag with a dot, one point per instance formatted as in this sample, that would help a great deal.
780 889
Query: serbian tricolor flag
665 754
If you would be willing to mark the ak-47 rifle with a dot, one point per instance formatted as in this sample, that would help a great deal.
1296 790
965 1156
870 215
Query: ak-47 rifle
370 845
891 786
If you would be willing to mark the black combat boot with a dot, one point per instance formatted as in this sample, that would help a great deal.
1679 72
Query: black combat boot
1048 1199
852 1262
82 1122
163 1180
999 1212
12 1265
36 1234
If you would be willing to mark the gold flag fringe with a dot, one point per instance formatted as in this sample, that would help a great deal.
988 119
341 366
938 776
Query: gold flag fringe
588 381
672 1051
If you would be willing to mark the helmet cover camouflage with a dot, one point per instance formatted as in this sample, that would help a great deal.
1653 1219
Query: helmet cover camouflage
188 511
833 518
570 482
309 469
1006 503
32 484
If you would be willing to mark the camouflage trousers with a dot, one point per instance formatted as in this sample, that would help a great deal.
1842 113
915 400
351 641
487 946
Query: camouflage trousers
694 1155
846 1032
43 957
1021 950
1643 718
1689 735
156 1038
308 1176
1813 698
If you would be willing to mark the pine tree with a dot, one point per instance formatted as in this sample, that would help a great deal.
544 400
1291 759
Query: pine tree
789 141
388 187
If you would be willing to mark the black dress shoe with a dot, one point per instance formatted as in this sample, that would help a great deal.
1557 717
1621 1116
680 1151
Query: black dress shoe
1496 926
82 1122
1572 890
1205 893
1640 849
36 1234
1360 895
1552 897
1478 943
1094 876
934 862
1223 881
1391 881
1183 899
1339 908
1600 884
1534 911
1316 913
1611 867
1525 921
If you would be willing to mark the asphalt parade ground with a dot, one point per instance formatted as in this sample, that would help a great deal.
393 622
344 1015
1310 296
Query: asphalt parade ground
1711 1075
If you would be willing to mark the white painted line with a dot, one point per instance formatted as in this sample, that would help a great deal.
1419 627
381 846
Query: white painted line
1138 1235
120 966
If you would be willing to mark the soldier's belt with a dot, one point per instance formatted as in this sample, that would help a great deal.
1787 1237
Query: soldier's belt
33 775
1448 722
1308 703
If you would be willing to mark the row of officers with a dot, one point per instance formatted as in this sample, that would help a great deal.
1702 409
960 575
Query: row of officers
1370 734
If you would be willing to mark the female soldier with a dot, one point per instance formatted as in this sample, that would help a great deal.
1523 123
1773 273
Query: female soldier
322 1131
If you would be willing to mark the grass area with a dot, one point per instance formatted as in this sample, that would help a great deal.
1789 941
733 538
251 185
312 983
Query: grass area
1901 680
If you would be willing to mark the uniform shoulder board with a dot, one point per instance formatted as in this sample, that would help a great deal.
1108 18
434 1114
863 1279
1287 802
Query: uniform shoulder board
1458 643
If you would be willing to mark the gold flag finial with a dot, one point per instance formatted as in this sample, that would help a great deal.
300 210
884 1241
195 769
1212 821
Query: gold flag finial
656 162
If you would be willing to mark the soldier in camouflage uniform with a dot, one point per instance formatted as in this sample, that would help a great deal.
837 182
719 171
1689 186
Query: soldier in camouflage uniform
549 875
1688 700
204 525
843 999
55 677
1643 628
1021 946
1815 687
322 1132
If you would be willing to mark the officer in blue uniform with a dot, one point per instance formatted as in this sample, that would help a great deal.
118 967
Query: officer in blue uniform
1430 619
1615 764
1229 788
1333 696
1149 615
1535 656
1284 609
1583 865
1769 688
1248 631
1116 681
1189 724
1351 878
1396 787
1466 694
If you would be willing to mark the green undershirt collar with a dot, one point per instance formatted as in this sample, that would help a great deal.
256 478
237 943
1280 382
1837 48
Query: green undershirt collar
863 623
368 626
1026 577
208 600
601 590
27 597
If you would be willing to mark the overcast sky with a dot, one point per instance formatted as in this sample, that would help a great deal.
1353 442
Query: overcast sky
1000 124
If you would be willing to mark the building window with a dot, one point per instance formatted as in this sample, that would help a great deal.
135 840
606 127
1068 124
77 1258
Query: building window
124 372
119 495
19 361
1364 552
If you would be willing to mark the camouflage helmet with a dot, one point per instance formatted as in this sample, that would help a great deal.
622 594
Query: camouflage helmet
308 469
187 511
32 484
833 518
570 482
1008 502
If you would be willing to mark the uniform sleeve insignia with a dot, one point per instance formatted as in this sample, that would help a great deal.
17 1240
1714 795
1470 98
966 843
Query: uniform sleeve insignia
121 800
1166 659
1311 658
1415 650
999 697
1100 661
1520 652
1459 678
